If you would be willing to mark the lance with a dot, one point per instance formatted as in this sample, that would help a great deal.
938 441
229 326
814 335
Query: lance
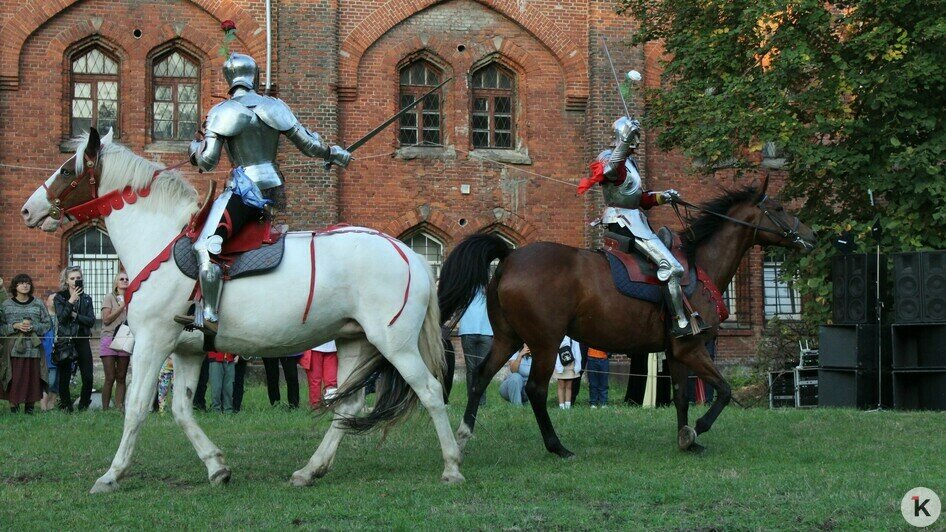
358 143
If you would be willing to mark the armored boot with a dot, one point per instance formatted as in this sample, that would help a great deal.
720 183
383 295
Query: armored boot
681 325
210 277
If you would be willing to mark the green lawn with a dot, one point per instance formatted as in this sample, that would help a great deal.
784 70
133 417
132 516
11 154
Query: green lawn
787 469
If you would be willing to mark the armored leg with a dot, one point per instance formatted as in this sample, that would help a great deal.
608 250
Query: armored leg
669 271
209 275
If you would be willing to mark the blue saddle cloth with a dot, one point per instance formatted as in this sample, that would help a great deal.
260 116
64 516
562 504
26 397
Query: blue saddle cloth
640 290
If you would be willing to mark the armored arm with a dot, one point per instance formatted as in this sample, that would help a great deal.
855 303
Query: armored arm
310 144
205 154
628 137
226 119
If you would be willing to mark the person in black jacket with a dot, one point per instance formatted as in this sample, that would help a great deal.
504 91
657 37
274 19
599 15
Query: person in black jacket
76 318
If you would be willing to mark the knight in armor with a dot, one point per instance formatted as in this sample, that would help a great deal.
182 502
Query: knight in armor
249 125
626 200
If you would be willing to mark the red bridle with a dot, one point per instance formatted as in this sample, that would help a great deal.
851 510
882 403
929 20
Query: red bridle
87 176
97 206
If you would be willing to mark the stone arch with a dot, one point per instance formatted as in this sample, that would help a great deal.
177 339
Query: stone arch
422 218
379 22
510 224
34 13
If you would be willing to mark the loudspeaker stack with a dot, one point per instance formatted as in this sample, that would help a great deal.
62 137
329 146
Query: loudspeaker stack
918 333
850 356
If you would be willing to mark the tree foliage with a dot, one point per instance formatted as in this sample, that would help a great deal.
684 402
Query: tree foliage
853 93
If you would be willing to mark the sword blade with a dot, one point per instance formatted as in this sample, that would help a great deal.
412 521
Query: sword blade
617 82
360 142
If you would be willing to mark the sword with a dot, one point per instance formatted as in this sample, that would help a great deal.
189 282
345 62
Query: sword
360 142
617 83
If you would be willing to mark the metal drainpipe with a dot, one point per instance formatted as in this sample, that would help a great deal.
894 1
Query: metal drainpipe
269 43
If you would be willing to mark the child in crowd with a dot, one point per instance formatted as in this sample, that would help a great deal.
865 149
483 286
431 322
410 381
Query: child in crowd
567 368
597 370
321 368
222 373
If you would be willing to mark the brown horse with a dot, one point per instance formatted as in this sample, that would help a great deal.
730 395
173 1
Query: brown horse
544 291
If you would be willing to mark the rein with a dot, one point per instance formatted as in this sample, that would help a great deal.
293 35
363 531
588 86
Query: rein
784 231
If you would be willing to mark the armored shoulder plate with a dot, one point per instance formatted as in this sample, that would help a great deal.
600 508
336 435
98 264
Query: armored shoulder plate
275 113
229 118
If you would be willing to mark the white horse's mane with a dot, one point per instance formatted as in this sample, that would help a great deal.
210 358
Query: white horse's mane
122 167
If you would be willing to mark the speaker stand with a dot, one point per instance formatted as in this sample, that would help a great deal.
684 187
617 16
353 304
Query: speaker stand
878 306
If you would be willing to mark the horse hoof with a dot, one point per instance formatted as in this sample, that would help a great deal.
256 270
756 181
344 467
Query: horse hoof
104 486
463 436
686 437
696 448
452 478
564 453
300 480
221 476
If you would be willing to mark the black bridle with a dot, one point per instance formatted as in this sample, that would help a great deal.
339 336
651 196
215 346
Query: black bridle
784 231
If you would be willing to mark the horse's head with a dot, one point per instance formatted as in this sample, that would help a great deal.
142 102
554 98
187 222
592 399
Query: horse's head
776 226
74 183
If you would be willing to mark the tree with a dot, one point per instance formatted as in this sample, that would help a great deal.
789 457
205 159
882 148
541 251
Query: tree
853 93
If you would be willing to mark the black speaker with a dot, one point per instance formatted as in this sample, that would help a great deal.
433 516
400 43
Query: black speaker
854 279
919 390
852 346
919 346
849 388
920 287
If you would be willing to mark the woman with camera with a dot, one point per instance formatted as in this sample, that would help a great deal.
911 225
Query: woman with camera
76 318
23 322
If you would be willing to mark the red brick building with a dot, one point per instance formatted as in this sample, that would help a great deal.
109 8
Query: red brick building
530 103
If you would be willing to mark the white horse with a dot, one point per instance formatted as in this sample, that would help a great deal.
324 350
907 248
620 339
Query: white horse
362 280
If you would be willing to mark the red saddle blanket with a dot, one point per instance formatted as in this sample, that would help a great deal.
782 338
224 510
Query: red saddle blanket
640 269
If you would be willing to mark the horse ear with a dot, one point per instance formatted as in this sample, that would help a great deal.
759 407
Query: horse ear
764 187
107 139
94 144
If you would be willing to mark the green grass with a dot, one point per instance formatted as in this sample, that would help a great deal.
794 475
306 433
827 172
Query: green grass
788 469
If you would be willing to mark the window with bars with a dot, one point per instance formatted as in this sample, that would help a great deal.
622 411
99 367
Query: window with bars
781 297
175 111
422 125
92 251
491 119
428 247
94 92
737 300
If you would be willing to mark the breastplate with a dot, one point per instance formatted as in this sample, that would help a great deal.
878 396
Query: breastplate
628 194
255 150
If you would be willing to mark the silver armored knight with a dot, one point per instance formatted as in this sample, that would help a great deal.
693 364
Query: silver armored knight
249 125
618 174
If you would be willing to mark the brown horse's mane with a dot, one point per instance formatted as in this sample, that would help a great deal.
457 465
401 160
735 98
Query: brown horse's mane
706 224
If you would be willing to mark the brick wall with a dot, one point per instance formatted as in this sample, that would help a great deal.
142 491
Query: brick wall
336 63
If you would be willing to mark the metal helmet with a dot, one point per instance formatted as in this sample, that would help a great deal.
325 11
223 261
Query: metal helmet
240 70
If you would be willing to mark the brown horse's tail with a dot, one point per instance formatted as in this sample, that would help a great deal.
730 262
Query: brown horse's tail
466 270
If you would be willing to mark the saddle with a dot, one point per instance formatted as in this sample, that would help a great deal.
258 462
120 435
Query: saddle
256 249
635 275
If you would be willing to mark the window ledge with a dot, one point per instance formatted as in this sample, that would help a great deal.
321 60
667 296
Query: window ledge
518 156
735 330
168 146
408 153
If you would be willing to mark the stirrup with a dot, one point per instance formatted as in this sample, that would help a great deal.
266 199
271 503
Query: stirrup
695 327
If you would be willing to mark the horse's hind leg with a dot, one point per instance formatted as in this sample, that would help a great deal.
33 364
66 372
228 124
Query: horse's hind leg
148 359
428 389
543 363
186 373
504 345
350 354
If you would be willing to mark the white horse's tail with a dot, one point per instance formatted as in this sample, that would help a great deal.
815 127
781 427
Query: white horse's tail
395 398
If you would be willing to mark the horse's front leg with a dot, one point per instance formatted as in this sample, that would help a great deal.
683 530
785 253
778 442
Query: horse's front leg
697 359
186 373
151 350
686 436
